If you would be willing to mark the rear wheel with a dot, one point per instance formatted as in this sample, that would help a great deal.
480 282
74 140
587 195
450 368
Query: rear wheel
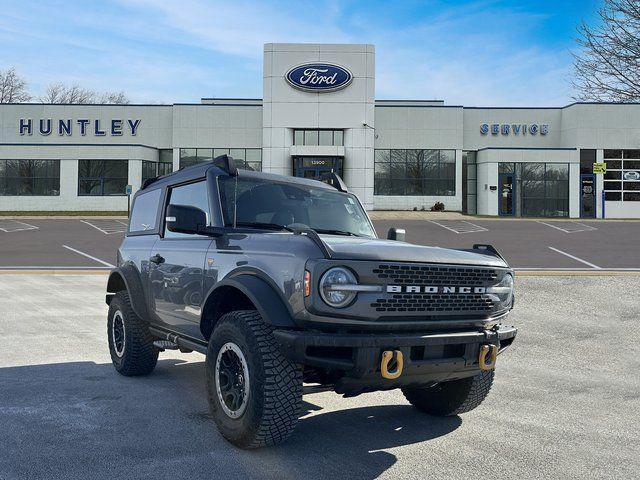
254 391
451 398
130 343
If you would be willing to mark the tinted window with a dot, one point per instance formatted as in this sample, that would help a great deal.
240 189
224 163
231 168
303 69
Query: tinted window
102 177
192 195
145 211
29 177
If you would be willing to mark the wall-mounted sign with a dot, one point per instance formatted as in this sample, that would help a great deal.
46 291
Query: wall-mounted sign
68 127
600 167
319 77
631 175
514 129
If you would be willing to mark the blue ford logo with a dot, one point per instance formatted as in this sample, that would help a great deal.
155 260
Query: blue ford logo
319 77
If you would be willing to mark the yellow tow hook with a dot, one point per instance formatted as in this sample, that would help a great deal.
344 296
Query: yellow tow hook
487 358
387 356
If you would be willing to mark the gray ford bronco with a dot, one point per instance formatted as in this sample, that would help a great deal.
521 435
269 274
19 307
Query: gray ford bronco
281 280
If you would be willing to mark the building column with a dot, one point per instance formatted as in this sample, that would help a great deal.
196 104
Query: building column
599 185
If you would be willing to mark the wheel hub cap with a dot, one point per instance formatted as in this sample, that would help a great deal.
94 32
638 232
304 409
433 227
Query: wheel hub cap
232 380
118 333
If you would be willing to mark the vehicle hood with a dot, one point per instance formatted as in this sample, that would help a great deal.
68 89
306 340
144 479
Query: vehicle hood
352 248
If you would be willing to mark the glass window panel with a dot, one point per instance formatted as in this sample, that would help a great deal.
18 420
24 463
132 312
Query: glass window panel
398 156
448 156
114 186
613 154
613 175
254 155
89 187
632 196
164 168
144 213
631 186
325 137
631 154
471 187
533 207
614 196
609 185
398 170
257 166
237 153
506 168
338 138
382 156
220 151
630 165
311 137
187 153
298 137
533 171
614 164
165 155
204 155
557 171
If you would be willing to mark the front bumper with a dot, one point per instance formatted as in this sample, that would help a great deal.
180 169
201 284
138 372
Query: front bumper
427 357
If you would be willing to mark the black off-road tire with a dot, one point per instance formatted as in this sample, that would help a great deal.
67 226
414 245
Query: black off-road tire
451 398
273 404
138 356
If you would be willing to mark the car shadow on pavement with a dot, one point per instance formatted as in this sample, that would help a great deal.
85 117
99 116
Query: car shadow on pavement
83 420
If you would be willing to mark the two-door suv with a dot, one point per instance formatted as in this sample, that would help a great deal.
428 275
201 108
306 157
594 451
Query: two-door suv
281 280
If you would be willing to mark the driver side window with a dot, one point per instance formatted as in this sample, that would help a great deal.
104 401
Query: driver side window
192 195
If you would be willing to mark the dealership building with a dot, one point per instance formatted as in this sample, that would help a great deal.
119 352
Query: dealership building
319 114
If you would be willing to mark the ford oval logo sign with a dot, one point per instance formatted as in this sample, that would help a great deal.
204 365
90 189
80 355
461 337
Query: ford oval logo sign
632 175
319 77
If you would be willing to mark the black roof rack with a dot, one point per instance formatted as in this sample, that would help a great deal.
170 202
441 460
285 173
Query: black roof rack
226 163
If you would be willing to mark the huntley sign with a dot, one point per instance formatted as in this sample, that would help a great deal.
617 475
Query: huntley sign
67 127
319 77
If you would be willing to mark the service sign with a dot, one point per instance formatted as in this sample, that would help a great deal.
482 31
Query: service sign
319 77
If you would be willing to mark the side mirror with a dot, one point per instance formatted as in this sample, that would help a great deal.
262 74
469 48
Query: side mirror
397 234
185 219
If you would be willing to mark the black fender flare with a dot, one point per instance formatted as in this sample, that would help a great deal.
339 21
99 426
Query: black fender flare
264 297
128 276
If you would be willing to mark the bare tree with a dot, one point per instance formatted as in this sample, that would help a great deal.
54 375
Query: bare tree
607 67
75 94
13 89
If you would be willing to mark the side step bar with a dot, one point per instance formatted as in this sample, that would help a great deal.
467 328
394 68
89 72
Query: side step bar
179 341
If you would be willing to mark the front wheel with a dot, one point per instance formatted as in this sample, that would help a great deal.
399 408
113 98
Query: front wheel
254 391
453 397
130 342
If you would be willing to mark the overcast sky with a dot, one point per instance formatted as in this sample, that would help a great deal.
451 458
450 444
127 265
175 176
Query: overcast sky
474 53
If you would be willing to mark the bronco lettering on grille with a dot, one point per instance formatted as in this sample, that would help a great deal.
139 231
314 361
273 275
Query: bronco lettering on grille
433 289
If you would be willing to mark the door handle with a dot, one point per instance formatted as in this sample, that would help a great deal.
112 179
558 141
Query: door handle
157 259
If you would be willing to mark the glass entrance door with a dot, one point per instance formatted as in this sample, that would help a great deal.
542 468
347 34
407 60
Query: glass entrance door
506 194
315 167
587 196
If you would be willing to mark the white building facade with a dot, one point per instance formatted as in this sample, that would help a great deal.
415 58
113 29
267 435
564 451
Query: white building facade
319 114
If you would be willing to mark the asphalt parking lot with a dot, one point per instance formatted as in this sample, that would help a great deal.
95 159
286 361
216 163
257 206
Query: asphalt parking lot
565 403
73 243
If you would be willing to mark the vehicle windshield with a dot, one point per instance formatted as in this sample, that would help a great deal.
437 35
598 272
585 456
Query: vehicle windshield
269 204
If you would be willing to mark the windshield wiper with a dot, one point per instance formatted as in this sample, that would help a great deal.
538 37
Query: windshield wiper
335 232
265 225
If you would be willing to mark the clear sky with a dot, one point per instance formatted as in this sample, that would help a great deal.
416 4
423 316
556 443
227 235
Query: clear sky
474 53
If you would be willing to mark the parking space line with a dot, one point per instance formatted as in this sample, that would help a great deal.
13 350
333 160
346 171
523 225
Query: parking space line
586 228
576 258
475 228
8 223
118 229
89 256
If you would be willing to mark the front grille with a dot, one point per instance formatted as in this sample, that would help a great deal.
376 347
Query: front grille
434 275
414 302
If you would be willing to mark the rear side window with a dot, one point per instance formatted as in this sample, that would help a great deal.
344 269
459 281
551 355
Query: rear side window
144 214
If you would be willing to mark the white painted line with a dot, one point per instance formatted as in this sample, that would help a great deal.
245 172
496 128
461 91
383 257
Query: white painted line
109 231
475 228
587 228
576 258
11 223
89 256
123 223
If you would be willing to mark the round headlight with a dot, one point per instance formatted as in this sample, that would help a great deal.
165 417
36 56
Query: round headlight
502 292
330 287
